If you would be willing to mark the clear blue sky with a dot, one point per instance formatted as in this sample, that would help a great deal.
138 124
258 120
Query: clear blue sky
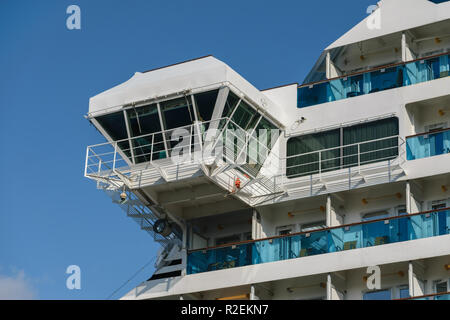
52 217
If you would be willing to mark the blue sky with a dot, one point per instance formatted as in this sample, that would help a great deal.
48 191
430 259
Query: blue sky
50 216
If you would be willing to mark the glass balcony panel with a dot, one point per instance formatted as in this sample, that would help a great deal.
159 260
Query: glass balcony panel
385 79
318 242
313 243
352 238
313 95
428 145
445 297
378 233
336 240
374 81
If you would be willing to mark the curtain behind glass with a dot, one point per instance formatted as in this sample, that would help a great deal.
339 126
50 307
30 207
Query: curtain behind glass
301 165
371 151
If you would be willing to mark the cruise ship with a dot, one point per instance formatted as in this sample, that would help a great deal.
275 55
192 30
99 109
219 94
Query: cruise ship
334 189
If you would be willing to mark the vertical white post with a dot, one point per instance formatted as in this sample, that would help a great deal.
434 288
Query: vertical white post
329 284
408 197
411 279
99 170
320 164
404 58
254 225
87 161
328 211
115 154
328 66
359 157
252 293
151 148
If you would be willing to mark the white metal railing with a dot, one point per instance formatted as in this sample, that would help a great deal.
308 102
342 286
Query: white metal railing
343 160
104 160
124 154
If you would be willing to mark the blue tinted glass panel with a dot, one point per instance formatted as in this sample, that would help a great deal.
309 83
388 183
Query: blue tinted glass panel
407 74
428 145
378 295
364 235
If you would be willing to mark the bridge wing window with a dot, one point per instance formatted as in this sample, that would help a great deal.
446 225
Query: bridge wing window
177 113
143 121
245 116
265 138
115 127
205 103
265 127
230 104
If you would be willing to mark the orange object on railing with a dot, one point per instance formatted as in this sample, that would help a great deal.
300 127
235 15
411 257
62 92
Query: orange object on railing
237 183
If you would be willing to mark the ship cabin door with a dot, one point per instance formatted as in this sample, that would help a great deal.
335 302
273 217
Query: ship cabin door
441 222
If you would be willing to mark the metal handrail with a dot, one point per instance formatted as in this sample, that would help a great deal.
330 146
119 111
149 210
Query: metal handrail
348 146
256 151
427 133
425 296
319 230
372 70
244 140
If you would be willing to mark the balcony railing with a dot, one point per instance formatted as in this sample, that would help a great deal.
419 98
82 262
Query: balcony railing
343 157
427 145
434 296
375 80
237 146
334 239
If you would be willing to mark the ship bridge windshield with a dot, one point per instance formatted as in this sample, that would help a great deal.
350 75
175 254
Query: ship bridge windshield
144 132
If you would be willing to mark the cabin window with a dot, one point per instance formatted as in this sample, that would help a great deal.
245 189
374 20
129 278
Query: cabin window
303 153
440 286
370 152
314 226
375 216
342 148
229 239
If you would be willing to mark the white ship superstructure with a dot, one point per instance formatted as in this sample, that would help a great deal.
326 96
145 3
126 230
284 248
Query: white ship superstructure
292 192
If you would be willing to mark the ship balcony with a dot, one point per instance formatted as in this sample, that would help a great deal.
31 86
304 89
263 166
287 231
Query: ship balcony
334 239
426 145
435 296
375 80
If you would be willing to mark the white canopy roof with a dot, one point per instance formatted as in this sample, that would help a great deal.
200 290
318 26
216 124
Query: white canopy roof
194 74
396 16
